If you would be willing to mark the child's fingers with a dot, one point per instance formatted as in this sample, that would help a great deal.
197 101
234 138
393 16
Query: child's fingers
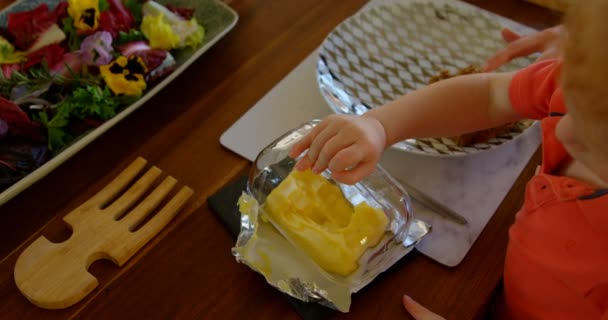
346 159
333 146
300 146
508 35
303 164
354 175
518 48
305 142
418 311
319 142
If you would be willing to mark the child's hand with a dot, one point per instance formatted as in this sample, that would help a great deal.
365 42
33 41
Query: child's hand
350 146
418 311
546 41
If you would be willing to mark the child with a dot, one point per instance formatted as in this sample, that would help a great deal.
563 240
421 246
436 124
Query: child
557 258
546 42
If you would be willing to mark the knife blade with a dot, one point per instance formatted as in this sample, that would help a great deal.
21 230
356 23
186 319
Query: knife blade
433 204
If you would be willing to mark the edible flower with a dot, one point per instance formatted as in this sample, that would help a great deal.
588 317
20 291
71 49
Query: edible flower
160 33
159 62
152 58
8 55
85 14
167 30
125 75
96 49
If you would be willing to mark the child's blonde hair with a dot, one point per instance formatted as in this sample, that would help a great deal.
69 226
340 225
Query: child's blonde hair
585 65
584 73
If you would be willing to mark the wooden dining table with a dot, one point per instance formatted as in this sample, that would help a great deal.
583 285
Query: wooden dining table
188 271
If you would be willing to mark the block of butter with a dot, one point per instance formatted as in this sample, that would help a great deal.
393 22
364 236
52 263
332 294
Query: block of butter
314 215
315 239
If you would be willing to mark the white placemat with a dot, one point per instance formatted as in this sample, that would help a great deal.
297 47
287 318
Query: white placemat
472 185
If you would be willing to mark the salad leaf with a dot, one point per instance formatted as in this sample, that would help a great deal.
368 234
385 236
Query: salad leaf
56 135
69 66
117 18
3 128
74 39
42 76
131 36
18 158
103 5
25 27
167 66
185 13
51 35
92 101
135 7
86 102
19 124
27 90
52 54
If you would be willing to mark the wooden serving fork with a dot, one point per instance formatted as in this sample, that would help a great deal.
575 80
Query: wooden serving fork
55 276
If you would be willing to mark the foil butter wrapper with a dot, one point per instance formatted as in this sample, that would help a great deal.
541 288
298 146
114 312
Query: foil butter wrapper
270 251
264 249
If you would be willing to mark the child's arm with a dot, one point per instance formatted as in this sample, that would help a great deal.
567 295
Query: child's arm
448 108
350 146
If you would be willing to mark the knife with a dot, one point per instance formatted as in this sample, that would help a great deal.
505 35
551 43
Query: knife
432 204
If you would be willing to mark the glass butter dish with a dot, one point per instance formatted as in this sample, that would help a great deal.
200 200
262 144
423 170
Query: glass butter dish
317 239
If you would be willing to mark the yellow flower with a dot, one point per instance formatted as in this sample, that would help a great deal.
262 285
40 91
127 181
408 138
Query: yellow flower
85 14
159 32
8 54
166 30
125 75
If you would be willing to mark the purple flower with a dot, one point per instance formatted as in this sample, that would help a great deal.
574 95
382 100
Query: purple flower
96 49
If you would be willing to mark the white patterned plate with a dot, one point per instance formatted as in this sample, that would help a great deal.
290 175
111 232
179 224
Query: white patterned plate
389 50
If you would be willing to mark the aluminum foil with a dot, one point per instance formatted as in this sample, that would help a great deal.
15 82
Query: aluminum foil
261 247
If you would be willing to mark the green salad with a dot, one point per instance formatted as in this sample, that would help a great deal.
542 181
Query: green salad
66 70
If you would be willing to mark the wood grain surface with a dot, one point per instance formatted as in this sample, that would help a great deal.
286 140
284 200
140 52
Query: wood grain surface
187 271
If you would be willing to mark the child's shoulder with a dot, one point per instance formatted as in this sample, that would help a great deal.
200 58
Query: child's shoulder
535 92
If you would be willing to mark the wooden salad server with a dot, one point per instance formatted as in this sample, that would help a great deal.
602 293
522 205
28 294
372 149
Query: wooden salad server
107 226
